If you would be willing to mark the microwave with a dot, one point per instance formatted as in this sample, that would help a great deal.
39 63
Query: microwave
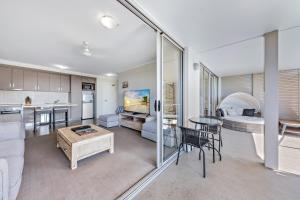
88 86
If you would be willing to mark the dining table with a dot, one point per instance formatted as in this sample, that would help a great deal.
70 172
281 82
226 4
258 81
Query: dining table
206 120
212 125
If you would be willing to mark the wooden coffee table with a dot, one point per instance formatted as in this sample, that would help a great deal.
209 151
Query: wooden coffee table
78 147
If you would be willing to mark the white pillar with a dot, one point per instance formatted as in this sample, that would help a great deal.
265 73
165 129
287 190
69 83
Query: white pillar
271 100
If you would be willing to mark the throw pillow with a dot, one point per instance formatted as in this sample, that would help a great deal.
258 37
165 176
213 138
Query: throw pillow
249 112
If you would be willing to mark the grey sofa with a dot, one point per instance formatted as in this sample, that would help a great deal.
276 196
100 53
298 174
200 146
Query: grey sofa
12 135
149 131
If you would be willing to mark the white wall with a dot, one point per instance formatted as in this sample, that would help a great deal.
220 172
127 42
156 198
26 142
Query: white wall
191 85
106 96
143 77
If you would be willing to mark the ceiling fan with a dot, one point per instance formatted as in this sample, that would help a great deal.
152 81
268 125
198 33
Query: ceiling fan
86 51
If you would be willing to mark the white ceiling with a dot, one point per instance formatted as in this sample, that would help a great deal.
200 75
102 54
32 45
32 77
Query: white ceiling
241 58
214 28
248 56
52 31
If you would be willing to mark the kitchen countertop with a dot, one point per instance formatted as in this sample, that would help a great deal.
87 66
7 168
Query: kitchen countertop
10 105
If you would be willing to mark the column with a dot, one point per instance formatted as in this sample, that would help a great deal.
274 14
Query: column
271 99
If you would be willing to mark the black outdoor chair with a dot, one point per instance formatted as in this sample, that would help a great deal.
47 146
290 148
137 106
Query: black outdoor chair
211 132
214 134
195 138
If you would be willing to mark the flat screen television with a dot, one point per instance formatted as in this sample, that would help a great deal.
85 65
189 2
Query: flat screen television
137 101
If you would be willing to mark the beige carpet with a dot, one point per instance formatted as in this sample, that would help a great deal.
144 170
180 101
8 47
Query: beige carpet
104 176
241 174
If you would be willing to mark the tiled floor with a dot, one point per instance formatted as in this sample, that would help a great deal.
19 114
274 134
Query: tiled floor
240 175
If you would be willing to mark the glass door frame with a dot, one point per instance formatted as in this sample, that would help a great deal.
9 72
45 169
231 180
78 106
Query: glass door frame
160 91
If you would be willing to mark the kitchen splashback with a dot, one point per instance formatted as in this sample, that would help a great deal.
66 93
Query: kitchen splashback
18 97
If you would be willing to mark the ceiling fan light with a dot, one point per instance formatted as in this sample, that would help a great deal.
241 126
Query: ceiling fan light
86 52
108 22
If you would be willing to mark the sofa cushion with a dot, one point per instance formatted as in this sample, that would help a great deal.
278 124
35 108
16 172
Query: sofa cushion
12 130
11 148
109 118
15 169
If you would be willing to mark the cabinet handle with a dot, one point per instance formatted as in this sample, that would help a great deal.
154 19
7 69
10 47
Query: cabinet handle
13 85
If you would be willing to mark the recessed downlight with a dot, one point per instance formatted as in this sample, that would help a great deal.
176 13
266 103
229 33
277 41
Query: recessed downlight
108 22
60 66
110 74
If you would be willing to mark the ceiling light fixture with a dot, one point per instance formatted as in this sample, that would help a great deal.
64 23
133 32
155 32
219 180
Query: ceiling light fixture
109 22
110 74
86 50
61 66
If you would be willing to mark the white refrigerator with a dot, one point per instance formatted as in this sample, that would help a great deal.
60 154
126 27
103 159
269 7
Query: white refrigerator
87 104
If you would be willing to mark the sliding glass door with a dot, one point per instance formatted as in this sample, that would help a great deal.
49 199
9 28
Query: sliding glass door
171 97
208 92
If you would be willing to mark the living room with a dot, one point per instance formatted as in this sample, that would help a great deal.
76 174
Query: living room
123 99
85 78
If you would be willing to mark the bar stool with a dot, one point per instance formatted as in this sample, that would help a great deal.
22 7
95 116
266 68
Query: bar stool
58 111
39 112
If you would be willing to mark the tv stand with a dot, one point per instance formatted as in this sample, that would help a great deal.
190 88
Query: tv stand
134 120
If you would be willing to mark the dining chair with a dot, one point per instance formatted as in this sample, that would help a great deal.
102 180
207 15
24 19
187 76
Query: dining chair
194 138
212 132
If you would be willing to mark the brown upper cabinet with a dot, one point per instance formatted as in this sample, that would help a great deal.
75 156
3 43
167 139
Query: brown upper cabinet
30 80
14 78
88 80
43 81
55 82
17 79
64 83
5 78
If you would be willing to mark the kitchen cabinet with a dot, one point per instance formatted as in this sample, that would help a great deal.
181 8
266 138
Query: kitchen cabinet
55 82
30 80
17 79
76 97
5 78
88 80
64 83
43 81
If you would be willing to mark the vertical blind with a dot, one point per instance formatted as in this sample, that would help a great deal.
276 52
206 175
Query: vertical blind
288 86
258 89
288 89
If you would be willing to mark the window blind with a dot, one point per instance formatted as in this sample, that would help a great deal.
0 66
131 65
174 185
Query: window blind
288 88
258 89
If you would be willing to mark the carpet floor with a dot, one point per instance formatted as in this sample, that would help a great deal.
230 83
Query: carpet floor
240 174
47 173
